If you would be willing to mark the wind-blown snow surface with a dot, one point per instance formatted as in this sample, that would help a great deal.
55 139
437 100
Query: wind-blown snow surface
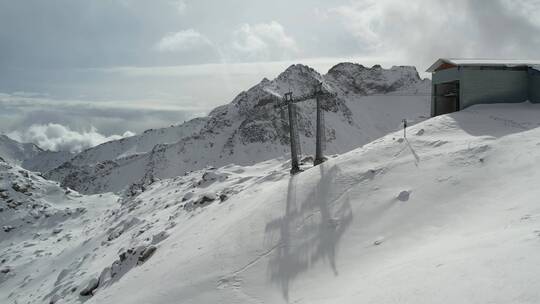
448 215
370 102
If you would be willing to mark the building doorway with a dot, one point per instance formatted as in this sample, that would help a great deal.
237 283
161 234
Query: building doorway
446 97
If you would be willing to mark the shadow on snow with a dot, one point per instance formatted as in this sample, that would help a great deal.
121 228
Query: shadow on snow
311 228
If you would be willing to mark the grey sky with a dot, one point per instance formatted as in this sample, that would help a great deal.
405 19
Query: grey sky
123 65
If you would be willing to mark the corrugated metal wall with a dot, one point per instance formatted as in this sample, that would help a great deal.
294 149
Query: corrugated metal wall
493 86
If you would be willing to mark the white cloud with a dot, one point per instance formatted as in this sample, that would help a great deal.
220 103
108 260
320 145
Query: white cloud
263 41
57 137
418 32
182 41
180 6
362 19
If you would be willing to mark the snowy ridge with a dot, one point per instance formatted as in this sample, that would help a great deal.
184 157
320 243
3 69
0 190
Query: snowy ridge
136 144
16 152
30 156
447 214
46 160
249 130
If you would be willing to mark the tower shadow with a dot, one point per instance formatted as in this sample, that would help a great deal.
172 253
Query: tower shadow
317 213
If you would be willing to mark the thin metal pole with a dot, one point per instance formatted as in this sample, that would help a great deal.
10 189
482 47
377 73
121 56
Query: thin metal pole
404 128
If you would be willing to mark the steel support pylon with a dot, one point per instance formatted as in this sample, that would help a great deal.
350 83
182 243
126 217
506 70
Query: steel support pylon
319 140
295 167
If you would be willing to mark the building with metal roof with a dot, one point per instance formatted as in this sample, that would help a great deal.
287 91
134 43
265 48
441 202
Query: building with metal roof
460 83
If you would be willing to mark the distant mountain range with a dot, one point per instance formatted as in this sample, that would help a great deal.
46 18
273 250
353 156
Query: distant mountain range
370 102
31 156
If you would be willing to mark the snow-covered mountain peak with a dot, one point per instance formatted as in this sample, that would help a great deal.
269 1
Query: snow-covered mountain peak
250 129
297 78
298 72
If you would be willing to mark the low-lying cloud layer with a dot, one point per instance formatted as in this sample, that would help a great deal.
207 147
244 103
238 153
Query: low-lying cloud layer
20 111
56 137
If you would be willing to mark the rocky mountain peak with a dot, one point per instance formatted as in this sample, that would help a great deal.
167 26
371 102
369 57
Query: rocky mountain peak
375 80
296 71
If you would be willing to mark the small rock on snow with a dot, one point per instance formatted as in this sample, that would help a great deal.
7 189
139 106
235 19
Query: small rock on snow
404 196
90 287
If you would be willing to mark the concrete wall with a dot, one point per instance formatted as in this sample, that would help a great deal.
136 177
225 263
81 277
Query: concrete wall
534 85
492 86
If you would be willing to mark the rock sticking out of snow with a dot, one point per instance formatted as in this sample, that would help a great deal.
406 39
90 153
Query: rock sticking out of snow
147 253
7 228
90 287
206 198
404 196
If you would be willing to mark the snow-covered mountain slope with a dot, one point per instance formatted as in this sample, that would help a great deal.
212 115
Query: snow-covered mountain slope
16 152
46 160
448 215
370 102
30 156
41 222
137 144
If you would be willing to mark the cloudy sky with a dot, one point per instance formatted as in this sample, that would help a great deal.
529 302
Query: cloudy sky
107 67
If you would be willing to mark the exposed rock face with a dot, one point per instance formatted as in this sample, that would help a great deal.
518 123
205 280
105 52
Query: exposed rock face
250 129
376 80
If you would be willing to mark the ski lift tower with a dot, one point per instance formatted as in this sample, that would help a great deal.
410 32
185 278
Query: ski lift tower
293 132
289 101
320 140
